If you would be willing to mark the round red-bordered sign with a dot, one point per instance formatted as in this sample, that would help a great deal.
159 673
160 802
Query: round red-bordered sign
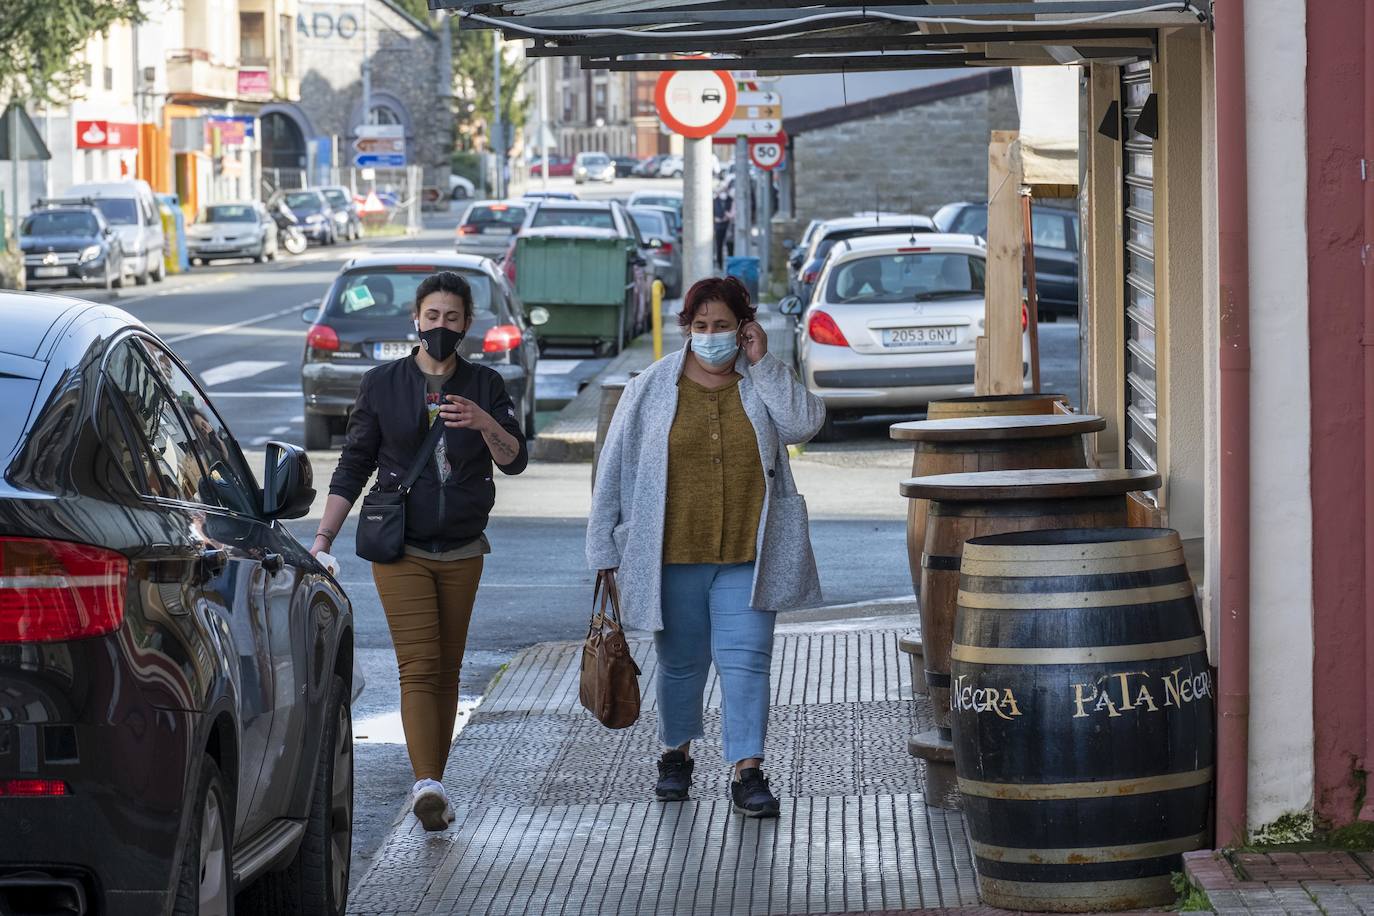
767 152
695 103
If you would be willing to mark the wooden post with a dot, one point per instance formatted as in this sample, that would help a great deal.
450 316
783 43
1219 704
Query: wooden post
1003 283
1032 297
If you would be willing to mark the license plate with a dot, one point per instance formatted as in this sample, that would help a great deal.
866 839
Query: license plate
920 337
50 272
497 230
390 350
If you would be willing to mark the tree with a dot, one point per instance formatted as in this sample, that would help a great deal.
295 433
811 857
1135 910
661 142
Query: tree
417 8
40 39
473 77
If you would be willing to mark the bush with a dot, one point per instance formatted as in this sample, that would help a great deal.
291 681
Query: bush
467 165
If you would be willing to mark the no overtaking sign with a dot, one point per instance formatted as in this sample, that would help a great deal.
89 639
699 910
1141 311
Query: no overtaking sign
695 103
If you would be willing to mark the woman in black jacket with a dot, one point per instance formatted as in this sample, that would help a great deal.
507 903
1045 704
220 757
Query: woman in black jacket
428 594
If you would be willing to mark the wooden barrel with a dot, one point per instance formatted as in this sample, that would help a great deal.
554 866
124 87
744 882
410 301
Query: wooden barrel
966 506
910 646
993 405
1083 711
986 443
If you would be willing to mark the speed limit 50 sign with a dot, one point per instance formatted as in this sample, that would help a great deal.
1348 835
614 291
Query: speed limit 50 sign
767 153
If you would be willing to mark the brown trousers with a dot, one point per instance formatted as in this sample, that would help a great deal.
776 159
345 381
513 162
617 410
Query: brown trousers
428 605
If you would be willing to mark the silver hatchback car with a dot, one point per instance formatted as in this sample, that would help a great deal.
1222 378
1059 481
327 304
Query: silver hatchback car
487 226
893 324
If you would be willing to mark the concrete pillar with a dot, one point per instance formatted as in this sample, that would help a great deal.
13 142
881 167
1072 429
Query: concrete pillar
697 228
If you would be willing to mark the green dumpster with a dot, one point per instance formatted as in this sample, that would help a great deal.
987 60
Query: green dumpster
583 281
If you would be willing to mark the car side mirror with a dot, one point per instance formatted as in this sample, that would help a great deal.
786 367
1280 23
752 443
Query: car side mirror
790 305
311 314
539 316
788 244
288 491
655 243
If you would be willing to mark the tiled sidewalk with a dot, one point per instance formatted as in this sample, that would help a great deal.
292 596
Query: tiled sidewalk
555 813
1276 883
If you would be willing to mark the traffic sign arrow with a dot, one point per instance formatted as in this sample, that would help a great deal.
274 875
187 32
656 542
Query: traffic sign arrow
758 98
750 128
380 145
379 160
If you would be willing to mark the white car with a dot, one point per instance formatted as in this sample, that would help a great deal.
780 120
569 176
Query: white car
460 188
593 167
893 324
672 167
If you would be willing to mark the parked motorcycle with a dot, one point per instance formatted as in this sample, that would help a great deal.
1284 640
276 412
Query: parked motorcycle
289 233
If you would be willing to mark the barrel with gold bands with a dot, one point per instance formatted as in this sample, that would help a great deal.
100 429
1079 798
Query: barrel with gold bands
1082 717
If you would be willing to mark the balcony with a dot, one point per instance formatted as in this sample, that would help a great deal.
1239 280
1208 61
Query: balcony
191 74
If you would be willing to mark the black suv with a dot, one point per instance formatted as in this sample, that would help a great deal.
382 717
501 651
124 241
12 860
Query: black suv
68 243
175 668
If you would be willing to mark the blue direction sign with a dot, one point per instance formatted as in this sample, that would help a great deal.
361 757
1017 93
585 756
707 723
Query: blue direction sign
380 160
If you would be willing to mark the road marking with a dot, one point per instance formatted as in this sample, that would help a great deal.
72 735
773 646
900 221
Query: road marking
278 430
243 368
556 366
223 328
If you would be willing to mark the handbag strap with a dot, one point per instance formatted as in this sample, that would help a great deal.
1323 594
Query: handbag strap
609 597
436 429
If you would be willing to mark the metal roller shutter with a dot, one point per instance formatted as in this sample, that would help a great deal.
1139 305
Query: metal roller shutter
1139 262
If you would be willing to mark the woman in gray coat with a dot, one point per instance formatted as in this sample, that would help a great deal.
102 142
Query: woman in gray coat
696 510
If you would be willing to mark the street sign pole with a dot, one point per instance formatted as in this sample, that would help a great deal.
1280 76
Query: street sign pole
741 197
14 167
698 237
498 132
765 228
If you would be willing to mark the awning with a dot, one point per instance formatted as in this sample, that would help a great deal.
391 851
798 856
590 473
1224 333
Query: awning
797 36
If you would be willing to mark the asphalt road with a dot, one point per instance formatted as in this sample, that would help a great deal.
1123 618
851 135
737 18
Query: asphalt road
238 326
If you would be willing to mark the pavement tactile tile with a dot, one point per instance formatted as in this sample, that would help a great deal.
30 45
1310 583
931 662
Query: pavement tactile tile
555 813
1284 883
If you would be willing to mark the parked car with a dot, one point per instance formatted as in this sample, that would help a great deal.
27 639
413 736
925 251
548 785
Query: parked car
671 167
131 210
367 318
593 167
796 251
550 195
665 254
656 199
648 168
559 166
459 188
624 165
176 670
671 214
242 229
315 213
348 222
833 231
487 226
70 244
1055 231
587 265
893 324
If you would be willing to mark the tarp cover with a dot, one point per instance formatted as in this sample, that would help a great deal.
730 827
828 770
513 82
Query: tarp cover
1047 99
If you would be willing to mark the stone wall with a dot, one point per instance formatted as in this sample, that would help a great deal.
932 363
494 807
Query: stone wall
408 60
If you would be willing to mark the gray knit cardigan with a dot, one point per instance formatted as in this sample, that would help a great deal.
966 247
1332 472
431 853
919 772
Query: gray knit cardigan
625 528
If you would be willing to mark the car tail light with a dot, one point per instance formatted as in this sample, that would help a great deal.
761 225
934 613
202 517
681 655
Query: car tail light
823 330
468 230
810 276
501 338
322 337
56 590
33 788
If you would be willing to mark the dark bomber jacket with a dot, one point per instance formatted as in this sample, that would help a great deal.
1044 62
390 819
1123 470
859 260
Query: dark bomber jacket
388 427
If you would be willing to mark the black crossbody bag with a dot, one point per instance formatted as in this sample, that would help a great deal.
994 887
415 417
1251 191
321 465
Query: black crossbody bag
381 535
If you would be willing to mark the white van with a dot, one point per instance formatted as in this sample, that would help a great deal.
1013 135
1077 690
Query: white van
131 210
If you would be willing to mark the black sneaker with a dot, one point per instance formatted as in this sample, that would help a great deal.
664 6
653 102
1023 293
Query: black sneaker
751 796
674 776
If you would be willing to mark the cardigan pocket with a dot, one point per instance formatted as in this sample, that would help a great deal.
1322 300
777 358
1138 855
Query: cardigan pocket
788 574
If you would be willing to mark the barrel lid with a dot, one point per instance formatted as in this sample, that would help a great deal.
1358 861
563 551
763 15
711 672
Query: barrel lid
1032 484
1068 544
1019 426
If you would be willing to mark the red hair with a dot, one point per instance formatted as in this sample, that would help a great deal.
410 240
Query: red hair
716 289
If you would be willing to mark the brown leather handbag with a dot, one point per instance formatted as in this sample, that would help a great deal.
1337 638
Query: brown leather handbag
609 686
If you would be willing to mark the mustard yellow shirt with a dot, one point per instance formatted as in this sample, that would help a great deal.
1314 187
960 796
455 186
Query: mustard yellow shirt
715 478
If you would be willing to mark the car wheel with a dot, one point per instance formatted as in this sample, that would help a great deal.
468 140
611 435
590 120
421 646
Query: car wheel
827 432
316 881
159 271
205 884
261 255
142 279
318 434
530 403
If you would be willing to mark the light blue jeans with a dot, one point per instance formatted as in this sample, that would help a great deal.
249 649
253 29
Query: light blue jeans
707 617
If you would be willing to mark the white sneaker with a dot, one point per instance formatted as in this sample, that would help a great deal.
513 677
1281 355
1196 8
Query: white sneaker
430 803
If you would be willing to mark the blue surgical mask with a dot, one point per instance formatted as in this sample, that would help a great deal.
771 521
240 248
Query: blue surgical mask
716 350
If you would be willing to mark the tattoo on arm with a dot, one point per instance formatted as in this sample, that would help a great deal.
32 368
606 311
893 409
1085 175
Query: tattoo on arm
502 445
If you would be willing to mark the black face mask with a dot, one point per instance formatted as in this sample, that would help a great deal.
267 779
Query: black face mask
441 342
